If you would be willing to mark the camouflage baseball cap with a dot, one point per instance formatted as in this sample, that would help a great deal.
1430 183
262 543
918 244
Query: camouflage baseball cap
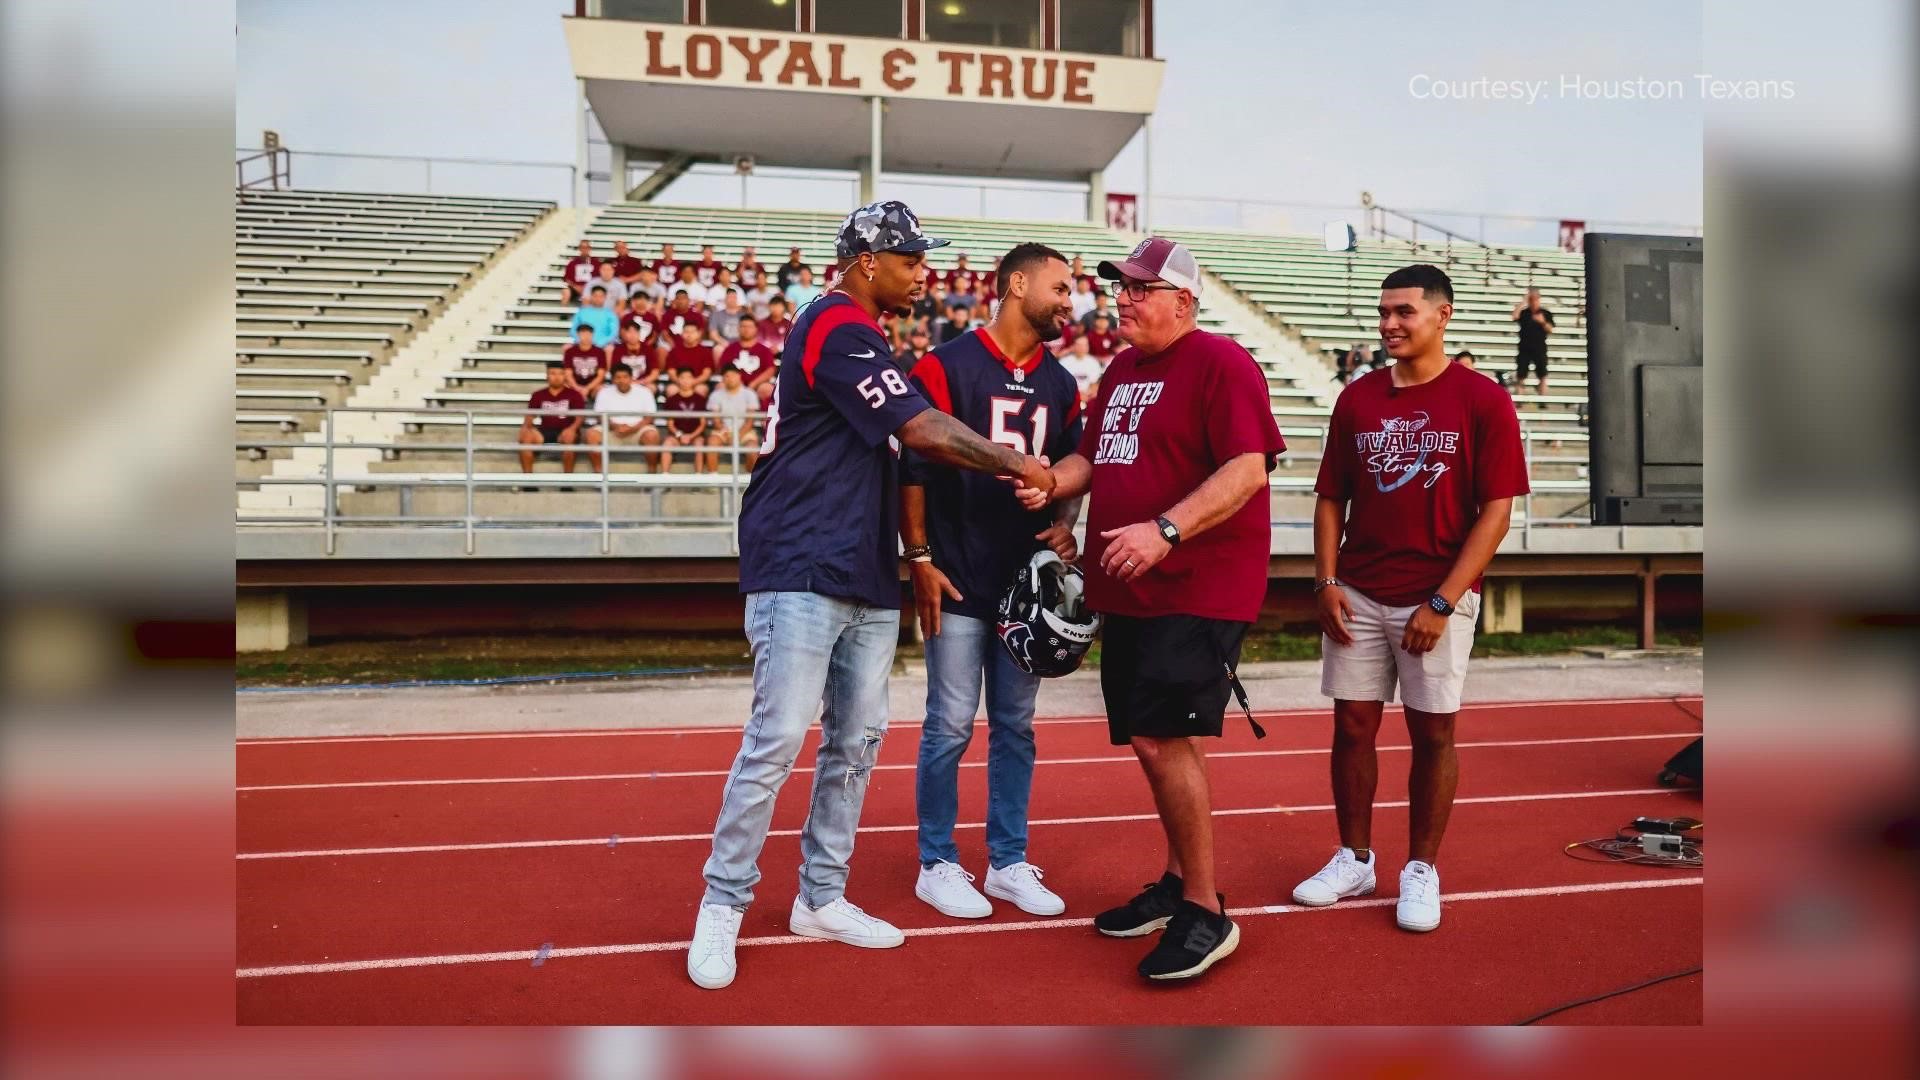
882 226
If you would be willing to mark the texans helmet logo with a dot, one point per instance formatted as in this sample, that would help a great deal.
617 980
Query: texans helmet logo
1018 638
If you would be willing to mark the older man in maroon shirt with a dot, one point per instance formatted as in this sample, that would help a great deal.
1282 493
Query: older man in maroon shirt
1174 461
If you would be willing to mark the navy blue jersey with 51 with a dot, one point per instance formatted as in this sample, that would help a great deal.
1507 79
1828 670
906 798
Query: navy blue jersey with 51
980 534
822 511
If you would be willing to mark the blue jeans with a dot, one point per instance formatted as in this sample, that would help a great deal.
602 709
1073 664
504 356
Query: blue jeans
959 657
809 651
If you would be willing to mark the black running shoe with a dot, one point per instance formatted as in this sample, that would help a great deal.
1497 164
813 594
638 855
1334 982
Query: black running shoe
1144 913
1195 940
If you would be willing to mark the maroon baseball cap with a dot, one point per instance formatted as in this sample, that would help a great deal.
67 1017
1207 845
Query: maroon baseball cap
1157 259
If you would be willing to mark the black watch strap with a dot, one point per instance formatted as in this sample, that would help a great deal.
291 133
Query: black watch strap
1168 530
1439 604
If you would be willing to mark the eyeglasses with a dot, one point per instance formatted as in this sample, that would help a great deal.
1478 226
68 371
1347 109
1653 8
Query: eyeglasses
1137 291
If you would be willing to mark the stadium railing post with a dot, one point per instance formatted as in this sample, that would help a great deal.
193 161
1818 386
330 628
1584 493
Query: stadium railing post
606 483
329 491
469 479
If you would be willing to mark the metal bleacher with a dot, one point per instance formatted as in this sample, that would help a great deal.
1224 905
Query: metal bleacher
357 274
329 284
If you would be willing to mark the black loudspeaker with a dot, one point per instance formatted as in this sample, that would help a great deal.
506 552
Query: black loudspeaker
1645 385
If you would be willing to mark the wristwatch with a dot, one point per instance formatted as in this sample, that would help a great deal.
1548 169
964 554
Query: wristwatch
1439 604
1168 531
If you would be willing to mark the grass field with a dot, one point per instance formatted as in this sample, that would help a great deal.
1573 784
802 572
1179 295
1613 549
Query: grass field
459 658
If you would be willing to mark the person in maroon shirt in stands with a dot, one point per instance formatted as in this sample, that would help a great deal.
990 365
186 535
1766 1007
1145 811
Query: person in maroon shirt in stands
750 356
960 279
707 270
681 312
691 353
625 266
578 275
749 273
636 351
586 363
687 395
1418 475
552 426
777 325
666 266
1174 464
1102 341
1080 274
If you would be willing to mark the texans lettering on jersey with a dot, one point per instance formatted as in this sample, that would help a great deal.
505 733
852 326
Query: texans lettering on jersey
822 511
980 534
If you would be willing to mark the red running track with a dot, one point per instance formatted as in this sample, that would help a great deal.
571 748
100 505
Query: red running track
590 844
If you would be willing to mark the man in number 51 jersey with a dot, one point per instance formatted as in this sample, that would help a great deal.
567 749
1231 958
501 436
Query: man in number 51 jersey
967 535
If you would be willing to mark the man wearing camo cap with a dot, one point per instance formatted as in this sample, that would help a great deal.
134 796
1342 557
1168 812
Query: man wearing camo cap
819 567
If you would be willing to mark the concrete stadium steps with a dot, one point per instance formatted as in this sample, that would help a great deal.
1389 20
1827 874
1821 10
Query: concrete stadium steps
329 285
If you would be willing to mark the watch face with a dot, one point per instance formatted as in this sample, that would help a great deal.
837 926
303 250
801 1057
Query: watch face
1439 605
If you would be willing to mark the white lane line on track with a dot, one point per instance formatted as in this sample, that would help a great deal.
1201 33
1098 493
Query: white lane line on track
593 841
1099 760
478 736
551 954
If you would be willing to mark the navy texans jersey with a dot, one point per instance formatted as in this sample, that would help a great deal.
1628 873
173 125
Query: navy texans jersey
980 534
822 511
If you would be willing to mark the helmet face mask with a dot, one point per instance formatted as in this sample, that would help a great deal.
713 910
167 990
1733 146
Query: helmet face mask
1044 622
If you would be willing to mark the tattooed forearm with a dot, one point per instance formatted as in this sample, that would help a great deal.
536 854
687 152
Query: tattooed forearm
941 438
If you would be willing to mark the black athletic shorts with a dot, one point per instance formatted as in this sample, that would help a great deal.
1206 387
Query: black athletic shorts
1536 361
1166 677
549 436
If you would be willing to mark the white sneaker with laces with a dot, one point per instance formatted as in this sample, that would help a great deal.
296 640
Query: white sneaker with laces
949 889
1344 876
710 960
842 921
1419 906
1019 884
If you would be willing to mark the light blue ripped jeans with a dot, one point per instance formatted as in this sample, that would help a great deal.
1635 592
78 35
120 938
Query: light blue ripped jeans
809 652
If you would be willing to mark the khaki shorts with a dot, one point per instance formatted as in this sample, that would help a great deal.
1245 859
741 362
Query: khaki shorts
1368 669
617 439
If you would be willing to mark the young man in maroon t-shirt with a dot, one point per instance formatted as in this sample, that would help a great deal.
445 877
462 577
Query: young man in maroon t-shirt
686 396
752 359
1174 461
680 314
1417 478
625 266
691 353
586 363
578 275
634 350
777 325
666 266
707 270
552 425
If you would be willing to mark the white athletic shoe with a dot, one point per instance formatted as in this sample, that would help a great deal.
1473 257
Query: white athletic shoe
1419 906
842 921
1343 877
1020 885
949 889
710 960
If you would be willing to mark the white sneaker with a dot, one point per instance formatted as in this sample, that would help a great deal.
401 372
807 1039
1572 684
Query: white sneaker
842 921
1343 877
1419 906
1020 885
948 888
710 960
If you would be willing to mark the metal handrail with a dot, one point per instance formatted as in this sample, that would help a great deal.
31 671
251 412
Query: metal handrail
729 482
279 167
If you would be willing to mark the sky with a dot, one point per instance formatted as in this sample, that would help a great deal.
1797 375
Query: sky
1284 102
